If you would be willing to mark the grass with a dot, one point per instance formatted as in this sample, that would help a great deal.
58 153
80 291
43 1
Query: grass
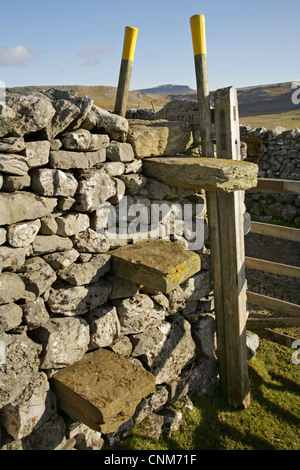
289 120
270 423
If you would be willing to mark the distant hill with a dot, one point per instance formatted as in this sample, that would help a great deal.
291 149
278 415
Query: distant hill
169 90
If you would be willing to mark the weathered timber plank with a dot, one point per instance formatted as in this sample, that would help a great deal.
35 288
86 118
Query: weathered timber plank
210 174
278 231
270 185
157 264
276 337
272 267
273 322
273 304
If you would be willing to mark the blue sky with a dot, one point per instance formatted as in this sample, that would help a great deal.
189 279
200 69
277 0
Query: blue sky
71 42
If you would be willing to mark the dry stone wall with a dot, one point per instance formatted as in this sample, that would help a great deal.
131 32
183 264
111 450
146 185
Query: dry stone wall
66 168
277 154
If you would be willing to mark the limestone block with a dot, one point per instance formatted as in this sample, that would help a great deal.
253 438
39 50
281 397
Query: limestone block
122 288
37 153
65 160
90 241
48 225
10 316
104 326
99 141
138 313
77 140
120 152
77 300
15 183
120 191
134 183
31 409
86 273
158 264
49 436
71 224
94 188
147 345
50 243
12 144
105 389
64 341
113 168
212 174
50 182
37 275
36 113
12 288
70 113
23 205
177 352
13 164
21 361
115 126
8 119
3 234
23 234
62 259
12 258
35 313
155 138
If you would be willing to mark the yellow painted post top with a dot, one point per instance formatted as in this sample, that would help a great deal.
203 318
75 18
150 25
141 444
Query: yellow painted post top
197 23
129 43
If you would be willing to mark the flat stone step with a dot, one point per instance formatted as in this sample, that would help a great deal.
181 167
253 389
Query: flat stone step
211 174
102 390
157 264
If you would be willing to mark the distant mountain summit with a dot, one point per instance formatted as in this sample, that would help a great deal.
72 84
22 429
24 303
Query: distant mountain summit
168 90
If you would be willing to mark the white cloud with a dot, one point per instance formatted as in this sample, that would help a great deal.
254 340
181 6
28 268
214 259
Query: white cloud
15 56
94 51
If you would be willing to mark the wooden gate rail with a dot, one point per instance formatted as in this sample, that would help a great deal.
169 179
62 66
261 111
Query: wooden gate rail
262 325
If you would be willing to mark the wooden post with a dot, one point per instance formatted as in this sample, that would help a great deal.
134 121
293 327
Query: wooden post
231 220
224 214
125 70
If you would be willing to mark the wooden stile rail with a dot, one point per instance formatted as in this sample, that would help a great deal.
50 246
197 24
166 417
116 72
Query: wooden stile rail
263 325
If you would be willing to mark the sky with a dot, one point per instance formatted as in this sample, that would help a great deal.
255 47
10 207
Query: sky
71 42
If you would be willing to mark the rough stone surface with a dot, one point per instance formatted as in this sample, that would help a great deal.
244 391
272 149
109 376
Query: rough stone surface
47 244
12 288
77 140
115 126
21 362
77 300
66 160
61 260
23 234
13 164
90 241
48 182
8 118
138 314
31 409
155 138
37 153
99 386
157 264
15 183
64 341
94 188
72 224
24 206
12 259
37 275
120 152
10 316
213 174
104 326
86 273
35 313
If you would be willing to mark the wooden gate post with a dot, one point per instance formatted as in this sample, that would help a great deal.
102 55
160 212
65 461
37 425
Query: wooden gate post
130 38
225 215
